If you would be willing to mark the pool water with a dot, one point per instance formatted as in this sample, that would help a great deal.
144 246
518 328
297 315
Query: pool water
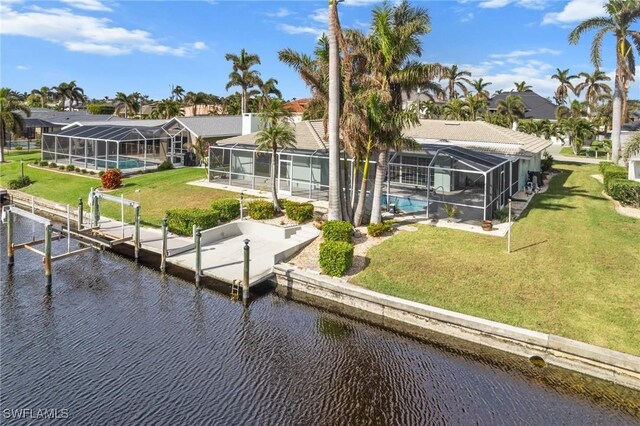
406 204
123 163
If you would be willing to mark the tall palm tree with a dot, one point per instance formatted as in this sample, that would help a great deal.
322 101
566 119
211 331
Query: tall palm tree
594 86
455 109
512 108
522 86
456 78
43 93
475 104
241 74
335 188
395 38
620 15
70 91
564 80
123 102
10 119
276 133
177 93
266 89
479 86
577 130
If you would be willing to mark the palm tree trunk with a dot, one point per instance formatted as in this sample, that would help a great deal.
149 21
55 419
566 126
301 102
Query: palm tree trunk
616 123
359 213
335 208
381 171
243 100
2 141
345 187
274 181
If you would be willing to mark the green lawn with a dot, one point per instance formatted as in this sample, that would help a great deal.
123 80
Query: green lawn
567 151
159 191
574 270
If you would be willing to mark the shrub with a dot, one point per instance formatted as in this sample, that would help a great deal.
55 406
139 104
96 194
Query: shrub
612 172
626 191
91 172
336 257
227 208
18 148
181 221
337 230
61 167
502 215
111 179
52 165
44 163
71 167
101 109
547 162
261 210
299 211
165 165
377 229
35 162
21 182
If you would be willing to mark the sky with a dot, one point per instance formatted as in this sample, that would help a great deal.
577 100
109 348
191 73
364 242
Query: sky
148 46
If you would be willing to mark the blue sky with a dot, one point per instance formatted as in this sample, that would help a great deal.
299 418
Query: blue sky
147 46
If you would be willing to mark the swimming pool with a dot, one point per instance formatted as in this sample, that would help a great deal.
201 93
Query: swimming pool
123 163
406 204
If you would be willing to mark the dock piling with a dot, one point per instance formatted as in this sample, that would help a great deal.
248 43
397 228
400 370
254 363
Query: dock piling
47 253
245 281
198 256
163 255
10 236
80 213
68 228
136 233
241 202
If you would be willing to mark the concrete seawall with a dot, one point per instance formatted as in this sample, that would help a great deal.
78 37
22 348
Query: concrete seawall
617 367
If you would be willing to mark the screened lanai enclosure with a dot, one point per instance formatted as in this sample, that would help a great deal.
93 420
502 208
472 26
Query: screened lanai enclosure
417 182
129 149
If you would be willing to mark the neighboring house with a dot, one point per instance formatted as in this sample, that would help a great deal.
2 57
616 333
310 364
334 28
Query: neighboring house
629 130
473 165
297 107
64 118
536 107
138 144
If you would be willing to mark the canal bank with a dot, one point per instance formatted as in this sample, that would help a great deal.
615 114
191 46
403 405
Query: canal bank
602 363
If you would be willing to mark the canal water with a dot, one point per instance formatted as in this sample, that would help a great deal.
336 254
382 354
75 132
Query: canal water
118 343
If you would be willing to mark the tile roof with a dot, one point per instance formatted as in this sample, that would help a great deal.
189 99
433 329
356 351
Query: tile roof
307 137
297 106
212 126
68 117
536 106
480 136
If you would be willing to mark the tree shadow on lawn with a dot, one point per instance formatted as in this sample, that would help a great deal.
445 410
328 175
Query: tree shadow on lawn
558 191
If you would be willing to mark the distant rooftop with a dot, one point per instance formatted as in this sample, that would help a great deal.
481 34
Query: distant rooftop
68 117
536 106
210 126
308 136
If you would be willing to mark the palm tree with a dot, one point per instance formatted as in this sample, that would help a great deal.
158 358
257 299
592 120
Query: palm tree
10 119
268 88
620 15
335 188
479 86
577 130
277 133
594 86
564 80
513 108
475 103
395 37
43 93
522 86
166 108
70 91
456 78
193 99
124 101
455 109
242 75
177 93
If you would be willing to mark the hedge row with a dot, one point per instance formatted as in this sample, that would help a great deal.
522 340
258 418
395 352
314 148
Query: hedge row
181 221
626 191
261 209
336 257
610 172
226 208
337 230
298 211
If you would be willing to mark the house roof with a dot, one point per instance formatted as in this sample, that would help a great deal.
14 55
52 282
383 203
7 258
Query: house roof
478 136
536 106
113 133
297 106
37 122
307 136
68 117
210 126
123 122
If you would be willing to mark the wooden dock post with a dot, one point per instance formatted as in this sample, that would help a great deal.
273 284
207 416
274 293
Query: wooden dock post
47 253
68 228
80 213
198 256
241 202
10 236
136 234
245 281
163 255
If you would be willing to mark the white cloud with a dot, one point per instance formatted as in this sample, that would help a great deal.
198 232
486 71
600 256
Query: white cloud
93 5
521 53
22 68
529 4
320 15
199 45
468 17
360 2
575 11
81 33
292 29
280 13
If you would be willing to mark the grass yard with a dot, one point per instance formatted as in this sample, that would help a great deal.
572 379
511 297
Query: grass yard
574 270
159 191
567 151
